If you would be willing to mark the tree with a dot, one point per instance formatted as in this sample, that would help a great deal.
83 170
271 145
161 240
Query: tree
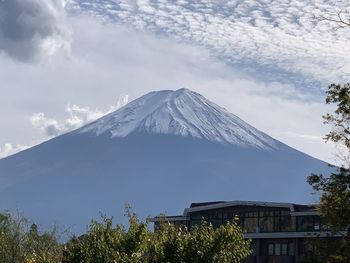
22 243
205 244
335 189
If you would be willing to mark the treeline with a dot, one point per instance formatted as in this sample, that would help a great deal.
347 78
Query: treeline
104 242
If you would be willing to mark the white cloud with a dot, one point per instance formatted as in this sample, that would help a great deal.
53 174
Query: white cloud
8 149
48 126
78 116
51 127
107 60
280 40
33 29
311 137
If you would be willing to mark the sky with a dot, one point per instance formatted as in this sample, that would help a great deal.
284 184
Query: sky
66 63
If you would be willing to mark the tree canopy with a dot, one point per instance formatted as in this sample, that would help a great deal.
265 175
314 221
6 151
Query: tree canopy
104 242
335 189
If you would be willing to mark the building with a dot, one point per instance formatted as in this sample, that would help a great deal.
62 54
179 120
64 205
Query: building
278 230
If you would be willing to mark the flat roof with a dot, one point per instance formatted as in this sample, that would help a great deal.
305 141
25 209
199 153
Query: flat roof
238 203
295 209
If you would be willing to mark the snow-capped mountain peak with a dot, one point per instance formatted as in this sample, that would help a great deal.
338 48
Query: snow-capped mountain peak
182 113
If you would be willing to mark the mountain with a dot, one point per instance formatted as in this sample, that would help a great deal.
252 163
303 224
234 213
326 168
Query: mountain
184 113
158 153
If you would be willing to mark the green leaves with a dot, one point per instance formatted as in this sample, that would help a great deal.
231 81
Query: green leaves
340 120
21 242
104 243
335 189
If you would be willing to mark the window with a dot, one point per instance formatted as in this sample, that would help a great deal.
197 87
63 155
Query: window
287 223
291 249
196 217
227 217
306 223
277 249
276 221
284 249
317 223
277 224
270 250
280 249
266 224
250 224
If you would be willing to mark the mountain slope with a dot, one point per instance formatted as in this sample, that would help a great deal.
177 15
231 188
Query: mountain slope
158 153
182 112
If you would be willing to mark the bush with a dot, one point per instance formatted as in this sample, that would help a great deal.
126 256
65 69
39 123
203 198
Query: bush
105 243
21 242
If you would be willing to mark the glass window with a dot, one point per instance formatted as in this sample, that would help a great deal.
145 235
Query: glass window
197 217
277 226
266 224
285 213
270 249
213 216
228 217
317 223
287 223
291 249
284 249
277 249
305 223
250 224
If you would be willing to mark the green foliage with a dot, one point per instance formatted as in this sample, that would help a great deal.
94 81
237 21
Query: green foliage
340 120
105 243
335 189
324 250
20 242
335 198
203 243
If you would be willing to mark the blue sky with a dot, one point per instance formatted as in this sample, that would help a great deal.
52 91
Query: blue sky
63 64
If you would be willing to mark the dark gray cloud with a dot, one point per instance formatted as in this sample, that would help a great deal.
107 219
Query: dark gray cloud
31 29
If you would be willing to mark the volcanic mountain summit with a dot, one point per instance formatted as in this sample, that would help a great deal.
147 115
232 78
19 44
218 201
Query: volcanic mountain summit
157 153
181 112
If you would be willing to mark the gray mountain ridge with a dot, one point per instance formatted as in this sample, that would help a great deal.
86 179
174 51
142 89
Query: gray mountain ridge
158 153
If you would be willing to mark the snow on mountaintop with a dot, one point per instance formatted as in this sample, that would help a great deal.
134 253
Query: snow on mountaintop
183 113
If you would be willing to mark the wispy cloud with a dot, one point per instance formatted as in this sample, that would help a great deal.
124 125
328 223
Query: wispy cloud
32 29
310 137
